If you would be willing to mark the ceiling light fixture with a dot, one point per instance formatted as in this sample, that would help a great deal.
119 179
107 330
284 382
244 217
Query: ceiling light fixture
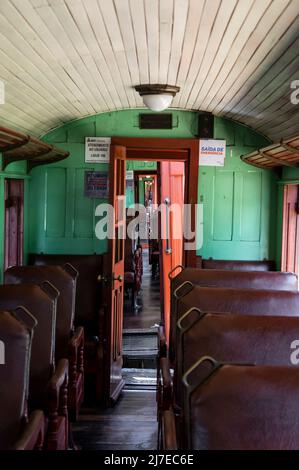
157 97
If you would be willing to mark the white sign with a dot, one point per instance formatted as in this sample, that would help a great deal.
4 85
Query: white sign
212 152
129 175
97 149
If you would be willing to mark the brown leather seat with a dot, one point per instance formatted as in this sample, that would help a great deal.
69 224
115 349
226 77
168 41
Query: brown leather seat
262 340
240 279
222 278
89 292
15 431
69 344
48 385
238 265
245 408
89 311
238 301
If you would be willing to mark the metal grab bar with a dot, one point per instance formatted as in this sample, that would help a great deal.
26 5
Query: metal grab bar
168 248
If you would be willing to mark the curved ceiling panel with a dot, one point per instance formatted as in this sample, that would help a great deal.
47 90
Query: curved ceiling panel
65 59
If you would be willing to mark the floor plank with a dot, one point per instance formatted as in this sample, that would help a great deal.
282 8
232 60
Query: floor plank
130 425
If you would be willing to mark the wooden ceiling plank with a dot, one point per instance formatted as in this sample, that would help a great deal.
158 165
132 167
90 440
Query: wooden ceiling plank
192 30
139 26
40 39
179 28
216 41
113 29
251 35
279 86
152 28
22 69
271 26
105 59
80 31
239 16
124 16
206 25
280 55
165 30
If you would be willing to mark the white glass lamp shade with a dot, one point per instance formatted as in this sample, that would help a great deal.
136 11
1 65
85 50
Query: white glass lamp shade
157 102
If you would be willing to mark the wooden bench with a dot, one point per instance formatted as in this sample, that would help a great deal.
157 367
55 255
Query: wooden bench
216 278
17 432
238 407
69 341
237 265
48 384
89 312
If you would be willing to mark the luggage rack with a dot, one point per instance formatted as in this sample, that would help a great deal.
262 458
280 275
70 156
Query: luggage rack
283 153
16 146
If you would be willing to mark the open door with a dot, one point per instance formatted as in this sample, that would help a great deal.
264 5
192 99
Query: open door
14 222
290 240
172 178
114 275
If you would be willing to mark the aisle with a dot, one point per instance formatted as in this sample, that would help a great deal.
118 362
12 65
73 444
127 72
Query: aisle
130 425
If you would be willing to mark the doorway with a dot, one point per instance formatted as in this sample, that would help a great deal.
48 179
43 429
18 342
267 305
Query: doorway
14 222
290 229
145 149
156 249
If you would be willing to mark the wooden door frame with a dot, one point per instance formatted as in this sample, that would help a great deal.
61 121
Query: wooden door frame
285 229
20 241
137 175
159 149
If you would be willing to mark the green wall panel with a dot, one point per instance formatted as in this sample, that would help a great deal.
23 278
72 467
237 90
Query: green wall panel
55 202
251 203
83 217
223 200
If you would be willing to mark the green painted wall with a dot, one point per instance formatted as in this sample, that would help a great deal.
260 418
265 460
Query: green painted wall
14 170
137 165
239 201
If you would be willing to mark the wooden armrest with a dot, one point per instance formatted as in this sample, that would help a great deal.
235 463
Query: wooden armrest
166 383
169 438
32 437
77 339
76 355
165 372
57 389
162 344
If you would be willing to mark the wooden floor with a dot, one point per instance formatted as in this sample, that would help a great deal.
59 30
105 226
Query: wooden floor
131 424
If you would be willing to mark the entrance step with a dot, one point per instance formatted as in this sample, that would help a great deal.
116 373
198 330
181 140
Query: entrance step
140 349
139 379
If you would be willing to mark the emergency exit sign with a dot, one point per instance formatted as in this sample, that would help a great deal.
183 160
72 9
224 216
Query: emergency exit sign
212 152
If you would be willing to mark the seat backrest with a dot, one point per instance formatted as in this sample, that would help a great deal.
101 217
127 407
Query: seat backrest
89 290
64 279
262 340
15 339
238 265
41 302
245 408
129 256
242 301
229 300
221 280
241 279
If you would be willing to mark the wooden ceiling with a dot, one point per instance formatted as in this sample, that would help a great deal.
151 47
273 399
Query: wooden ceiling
64 59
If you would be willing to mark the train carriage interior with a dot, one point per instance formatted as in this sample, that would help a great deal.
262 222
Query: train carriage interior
149 225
